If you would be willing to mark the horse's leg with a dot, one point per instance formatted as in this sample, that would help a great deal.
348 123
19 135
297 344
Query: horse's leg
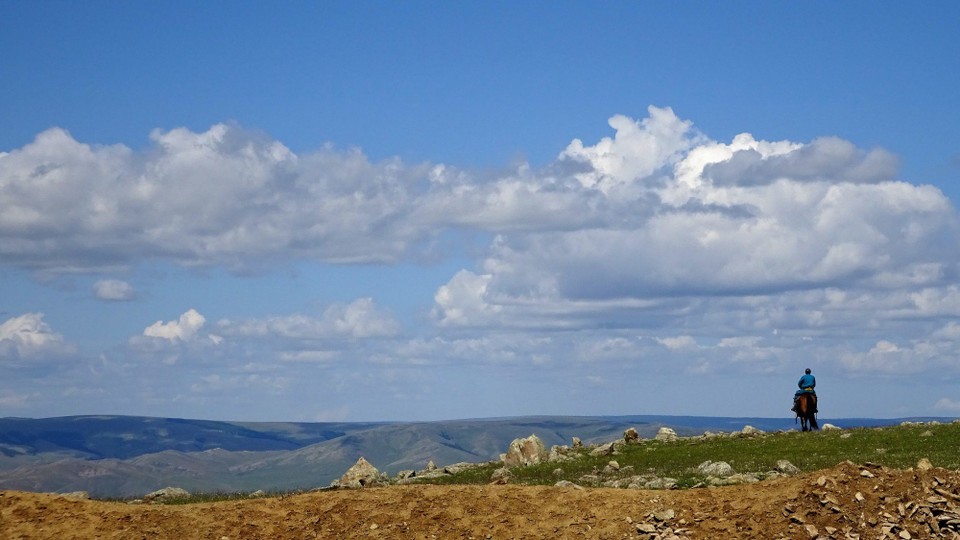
813 422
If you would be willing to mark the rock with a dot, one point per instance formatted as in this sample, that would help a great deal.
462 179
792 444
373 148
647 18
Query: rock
927 433
567 483
664 515
431 466
459 467
559 453
661 483
258 494
76 495
523 452
577 443
604 450
666 434
630 436
786 467
362 474
405 474
501 475
646 528
811 530
750 431
829 427
719 469
924 464
166 494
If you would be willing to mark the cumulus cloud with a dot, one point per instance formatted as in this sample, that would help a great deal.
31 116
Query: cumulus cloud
685 217
28 339
113 290
182 329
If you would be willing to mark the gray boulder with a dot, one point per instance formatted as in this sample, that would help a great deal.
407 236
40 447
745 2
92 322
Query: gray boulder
666 434
362 474
718 469
166 494
523 452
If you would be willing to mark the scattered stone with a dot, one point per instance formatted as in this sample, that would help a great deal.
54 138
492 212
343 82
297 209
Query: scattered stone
608 449
829 427
630 436
76 495
646 528
560 454
786 467
362 474
431 466
811 530
567 483
664 515
459 467
666 434
718 469
524 452
924 464
166 494
577 443
750 431
501 476
258 494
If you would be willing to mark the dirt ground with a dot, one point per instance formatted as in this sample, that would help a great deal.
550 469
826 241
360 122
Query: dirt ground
848 501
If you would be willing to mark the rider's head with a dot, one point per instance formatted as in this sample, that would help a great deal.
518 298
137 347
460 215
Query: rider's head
807 371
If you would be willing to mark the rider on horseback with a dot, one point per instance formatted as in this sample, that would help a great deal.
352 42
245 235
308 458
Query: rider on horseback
807 383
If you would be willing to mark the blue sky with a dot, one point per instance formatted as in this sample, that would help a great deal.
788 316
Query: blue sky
428 210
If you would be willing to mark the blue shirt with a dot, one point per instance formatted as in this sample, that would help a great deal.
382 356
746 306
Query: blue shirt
807 381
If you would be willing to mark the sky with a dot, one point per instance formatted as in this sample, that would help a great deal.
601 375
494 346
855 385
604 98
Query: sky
424 210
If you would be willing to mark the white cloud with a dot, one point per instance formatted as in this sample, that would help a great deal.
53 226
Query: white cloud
182 329
947 405
678 342
359 319
27 339
685 217
113 290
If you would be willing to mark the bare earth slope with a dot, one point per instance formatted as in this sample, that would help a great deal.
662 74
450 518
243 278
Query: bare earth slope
847 501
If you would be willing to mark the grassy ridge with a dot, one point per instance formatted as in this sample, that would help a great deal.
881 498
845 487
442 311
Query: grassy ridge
897 447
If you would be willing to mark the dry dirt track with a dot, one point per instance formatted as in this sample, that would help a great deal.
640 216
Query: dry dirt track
891 504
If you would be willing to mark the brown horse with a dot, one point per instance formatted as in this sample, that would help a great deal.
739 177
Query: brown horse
806 412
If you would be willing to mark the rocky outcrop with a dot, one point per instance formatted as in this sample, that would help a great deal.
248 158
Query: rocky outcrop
666 434
631 436
524 452
166 494
361 475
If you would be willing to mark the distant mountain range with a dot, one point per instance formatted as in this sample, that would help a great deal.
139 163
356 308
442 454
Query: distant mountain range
125 456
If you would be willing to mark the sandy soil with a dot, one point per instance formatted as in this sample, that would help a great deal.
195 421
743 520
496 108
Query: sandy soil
847 501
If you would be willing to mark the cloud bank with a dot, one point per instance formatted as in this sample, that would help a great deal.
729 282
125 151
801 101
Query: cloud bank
655 246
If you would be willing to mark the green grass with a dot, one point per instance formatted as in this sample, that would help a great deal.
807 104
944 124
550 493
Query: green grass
897 447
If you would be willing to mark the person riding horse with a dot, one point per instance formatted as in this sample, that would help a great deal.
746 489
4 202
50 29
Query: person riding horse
806 383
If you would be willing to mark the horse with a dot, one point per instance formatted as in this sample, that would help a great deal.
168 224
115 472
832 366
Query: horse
806 407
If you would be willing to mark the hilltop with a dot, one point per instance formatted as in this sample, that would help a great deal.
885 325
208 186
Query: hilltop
125 456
